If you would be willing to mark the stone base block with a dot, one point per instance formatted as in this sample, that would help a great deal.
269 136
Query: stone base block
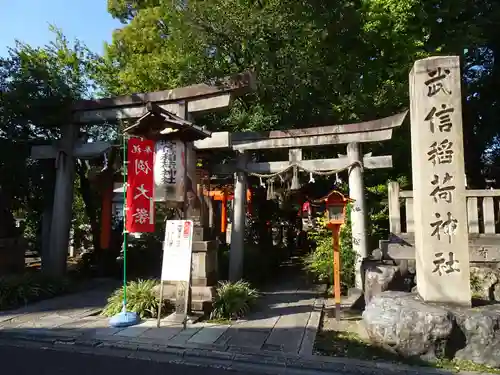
201 296
403 323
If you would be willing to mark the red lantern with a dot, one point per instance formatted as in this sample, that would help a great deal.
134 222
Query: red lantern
336 204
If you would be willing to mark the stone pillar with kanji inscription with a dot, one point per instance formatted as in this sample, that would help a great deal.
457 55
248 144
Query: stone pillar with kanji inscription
438 174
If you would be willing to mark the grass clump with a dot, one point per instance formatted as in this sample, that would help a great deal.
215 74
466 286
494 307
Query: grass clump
141 299
233 300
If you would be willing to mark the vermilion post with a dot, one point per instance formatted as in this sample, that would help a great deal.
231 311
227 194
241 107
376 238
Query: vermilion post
336 268
223 216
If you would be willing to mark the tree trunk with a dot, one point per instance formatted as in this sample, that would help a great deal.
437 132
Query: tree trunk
90 208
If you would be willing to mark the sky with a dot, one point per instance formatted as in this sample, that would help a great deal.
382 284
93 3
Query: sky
28 21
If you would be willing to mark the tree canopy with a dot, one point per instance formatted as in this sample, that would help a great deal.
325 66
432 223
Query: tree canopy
318 62
37 88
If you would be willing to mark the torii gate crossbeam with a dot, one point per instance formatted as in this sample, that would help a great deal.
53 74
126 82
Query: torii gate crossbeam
183 101
351 134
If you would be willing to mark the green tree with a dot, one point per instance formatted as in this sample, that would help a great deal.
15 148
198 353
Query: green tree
37 88
318 62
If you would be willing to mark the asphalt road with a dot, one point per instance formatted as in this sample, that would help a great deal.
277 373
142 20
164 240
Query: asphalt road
24 361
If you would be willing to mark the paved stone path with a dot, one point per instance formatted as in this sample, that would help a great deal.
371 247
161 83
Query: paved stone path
279 335
71 306
285 321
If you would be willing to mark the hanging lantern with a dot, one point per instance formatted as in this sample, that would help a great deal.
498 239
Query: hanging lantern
295 180
336 204
169 170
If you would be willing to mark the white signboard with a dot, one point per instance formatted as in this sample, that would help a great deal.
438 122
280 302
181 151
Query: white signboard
177 250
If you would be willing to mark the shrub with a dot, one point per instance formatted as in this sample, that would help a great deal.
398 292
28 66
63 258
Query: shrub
21 289
141 298
233 300
319 263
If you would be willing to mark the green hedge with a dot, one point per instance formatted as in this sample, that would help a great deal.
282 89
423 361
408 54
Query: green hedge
19 290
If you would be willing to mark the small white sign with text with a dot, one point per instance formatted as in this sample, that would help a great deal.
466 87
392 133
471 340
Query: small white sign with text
177 250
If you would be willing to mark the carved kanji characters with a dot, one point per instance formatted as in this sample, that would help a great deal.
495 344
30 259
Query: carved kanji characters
435 83
441 152
442 188
443 116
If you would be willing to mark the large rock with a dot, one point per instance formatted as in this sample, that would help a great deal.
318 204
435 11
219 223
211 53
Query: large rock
481 328
403 322
381 277
496 292
409 326
377 279
485 283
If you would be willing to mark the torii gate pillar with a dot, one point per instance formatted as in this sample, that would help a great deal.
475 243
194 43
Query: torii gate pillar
63 203
359 226
236 253
56 221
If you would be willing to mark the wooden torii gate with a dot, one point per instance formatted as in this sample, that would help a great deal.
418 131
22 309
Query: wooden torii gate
184 102
294 139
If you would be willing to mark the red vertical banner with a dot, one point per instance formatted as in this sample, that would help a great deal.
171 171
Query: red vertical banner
140 185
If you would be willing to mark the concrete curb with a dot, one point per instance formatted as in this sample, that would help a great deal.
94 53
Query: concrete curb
312 328
249 360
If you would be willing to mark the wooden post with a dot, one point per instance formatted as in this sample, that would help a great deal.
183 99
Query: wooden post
336 269
183 293
223 216
249 201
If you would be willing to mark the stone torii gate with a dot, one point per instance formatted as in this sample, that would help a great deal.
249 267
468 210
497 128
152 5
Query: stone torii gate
184 102
294 139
